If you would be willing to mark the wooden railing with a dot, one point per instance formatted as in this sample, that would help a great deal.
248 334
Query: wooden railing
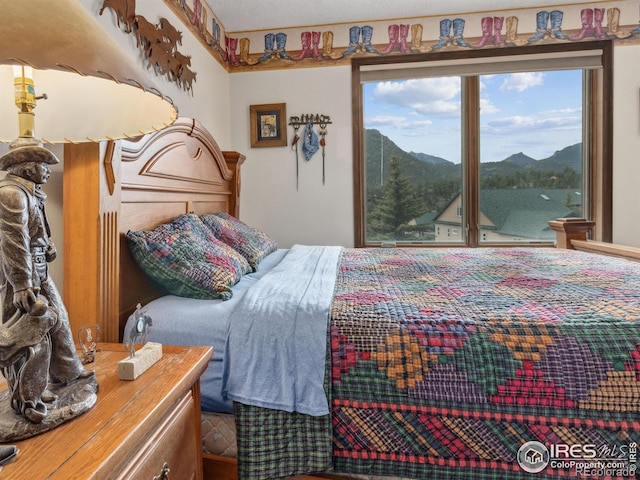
573 233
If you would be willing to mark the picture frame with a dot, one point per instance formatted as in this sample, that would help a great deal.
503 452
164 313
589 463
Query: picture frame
268 125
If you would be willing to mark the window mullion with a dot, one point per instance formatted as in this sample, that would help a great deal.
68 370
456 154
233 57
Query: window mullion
471 157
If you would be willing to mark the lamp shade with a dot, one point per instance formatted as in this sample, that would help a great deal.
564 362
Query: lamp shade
94 90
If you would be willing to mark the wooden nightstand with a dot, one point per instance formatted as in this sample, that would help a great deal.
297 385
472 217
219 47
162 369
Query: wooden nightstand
134 430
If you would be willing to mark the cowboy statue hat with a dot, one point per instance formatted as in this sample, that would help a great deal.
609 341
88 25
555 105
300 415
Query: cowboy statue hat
31 153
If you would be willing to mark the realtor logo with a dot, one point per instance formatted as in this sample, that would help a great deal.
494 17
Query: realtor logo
533 457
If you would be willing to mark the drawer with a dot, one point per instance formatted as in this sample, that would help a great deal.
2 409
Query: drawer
174 444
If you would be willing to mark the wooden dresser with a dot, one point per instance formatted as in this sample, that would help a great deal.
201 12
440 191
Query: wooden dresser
135 430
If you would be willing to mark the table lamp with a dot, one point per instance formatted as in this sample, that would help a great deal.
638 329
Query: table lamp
71 83
94 90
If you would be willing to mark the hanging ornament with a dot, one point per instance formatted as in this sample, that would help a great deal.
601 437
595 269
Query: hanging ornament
323 133
310 143
309 139
294 146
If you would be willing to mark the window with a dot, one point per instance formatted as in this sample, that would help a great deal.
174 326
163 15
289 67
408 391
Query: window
509 139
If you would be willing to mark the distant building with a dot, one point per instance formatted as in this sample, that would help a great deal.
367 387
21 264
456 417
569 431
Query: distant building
510 215
421 228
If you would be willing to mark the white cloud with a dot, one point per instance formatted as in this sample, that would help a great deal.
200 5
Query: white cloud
396 122
428 96
532 124
487 107
522 81
565 112
381 120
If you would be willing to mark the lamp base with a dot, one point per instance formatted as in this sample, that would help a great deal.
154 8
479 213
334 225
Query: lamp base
25 142
73 400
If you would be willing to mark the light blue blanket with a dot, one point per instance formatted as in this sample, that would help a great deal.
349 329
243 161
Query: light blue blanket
276 345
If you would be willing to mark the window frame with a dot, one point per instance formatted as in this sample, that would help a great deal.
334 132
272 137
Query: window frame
597 178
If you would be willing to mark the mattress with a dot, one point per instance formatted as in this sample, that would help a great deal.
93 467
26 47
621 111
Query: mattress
219 434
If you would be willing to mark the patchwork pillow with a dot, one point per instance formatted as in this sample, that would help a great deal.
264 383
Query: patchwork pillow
184 258
252 243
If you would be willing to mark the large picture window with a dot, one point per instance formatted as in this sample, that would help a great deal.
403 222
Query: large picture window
482 147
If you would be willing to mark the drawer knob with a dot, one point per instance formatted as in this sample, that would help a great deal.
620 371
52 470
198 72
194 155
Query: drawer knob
164 474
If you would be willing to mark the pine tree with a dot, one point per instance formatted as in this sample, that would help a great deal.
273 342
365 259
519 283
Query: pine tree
399 203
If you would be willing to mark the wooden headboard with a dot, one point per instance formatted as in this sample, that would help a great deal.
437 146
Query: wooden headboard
143 183
177 170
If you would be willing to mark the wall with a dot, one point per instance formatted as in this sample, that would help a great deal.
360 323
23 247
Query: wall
626 146
55 216
317 214
313 213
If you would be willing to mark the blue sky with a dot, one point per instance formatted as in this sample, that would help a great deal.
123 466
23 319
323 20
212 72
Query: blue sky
535 113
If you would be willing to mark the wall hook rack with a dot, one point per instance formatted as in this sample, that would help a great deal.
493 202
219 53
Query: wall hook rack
314 119
309 149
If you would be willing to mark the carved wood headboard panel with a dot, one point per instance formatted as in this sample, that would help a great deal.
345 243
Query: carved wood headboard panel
177 170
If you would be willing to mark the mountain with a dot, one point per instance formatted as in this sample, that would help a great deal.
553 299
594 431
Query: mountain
521 159
423 157
519 163
377 144
423 167
568 157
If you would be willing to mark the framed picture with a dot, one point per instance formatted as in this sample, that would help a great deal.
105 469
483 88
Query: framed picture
268 125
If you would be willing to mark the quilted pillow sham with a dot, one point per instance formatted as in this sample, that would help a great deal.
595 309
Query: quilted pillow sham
183 258
252 243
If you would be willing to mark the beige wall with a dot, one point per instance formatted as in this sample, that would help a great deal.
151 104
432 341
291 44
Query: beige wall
314 213
626 146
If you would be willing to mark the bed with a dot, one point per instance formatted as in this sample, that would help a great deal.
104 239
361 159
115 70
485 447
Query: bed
437 363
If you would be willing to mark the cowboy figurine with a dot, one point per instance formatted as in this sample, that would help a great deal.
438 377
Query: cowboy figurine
30 299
